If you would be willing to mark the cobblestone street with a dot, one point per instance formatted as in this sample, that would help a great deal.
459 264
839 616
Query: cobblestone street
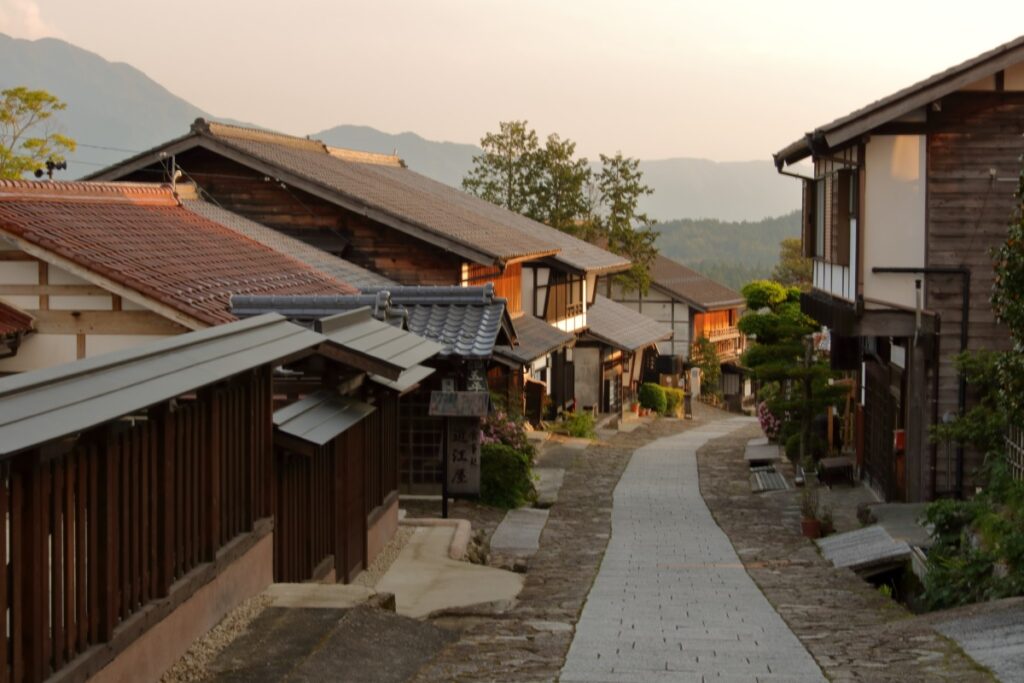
853 632
530 641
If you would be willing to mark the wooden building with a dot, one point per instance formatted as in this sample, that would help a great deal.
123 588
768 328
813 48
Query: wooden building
694 306
468 324
101 267
385 218
150 491
907 198
612 354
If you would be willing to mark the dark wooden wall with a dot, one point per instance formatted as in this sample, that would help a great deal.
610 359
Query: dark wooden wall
318 222
968 214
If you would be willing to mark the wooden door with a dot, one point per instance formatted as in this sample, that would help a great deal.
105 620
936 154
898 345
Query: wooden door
879 422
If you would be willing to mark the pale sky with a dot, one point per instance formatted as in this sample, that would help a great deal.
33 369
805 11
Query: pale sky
653 78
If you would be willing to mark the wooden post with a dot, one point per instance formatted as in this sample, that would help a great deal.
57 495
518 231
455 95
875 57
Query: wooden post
108 542
165 500
339 448
30 587
213 456
916 449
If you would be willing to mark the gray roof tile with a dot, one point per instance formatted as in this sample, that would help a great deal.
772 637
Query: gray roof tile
535 338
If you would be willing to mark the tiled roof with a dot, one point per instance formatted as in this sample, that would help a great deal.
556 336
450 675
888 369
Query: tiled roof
329 264
395 190
902 102
690 286
13 321
622 327
138 236
535 338
466 321
382 183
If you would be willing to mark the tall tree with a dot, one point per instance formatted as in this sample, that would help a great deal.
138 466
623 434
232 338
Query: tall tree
27 138
793 268
563 179
628 231
507 173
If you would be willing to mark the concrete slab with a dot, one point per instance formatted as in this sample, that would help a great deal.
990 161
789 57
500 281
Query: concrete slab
866 551
549 483
757 452
519 533
995 640
318 595
425 579
902 521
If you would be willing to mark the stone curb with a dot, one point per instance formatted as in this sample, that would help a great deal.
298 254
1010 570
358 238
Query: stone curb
460 540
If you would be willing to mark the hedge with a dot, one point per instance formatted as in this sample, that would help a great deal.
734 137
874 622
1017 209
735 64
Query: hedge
652 396
506 476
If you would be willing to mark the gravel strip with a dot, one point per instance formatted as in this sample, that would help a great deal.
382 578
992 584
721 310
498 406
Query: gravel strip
370 576
191 668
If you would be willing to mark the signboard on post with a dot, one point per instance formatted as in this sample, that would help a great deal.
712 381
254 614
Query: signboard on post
464 456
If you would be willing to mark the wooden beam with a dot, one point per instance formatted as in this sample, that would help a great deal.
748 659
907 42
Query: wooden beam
891 324
105 322
80 346
12 255
113 287
44 279
47 289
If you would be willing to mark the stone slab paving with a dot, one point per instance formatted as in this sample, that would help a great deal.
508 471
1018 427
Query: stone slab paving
996 640
549 483
519 533
672 600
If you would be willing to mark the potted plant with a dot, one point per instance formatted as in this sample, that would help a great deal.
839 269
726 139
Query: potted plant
810 524
827 523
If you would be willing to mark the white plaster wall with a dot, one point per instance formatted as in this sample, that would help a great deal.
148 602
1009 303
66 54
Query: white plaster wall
58 276
1013 77
894 215
42 351
89 302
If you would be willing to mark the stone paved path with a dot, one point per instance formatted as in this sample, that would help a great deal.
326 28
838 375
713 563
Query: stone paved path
672 600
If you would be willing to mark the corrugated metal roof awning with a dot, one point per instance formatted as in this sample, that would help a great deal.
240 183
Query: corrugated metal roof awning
320 417
40 406
407 381
359 339
623 328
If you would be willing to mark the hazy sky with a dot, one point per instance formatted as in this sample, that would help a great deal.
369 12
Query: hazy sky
652 78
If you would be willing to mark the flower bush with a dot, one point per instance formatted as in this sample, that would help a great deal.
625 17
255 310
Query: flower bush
501 428
770 424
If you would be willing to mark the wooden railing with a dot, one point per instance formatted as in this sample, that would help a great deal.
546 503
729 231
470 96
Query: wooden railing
101 527
1015 452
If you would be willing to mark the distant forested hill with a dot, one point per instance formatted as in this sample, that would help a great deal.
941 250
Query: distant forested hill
733 253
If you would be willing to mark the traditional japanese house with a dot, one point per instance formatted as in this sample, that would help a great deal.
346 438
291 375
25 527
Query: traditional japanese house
694 306
905 201
139 492
87 268
381 216
612 353
150 490
468 323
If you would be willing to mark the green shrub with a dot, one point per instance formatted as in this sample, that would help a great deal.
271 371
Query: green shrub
653 396
673 400
506 476
580 424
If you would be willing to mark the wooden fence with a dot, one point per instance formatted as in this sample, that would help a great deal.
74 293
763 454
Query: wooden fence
100 527
1015 452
